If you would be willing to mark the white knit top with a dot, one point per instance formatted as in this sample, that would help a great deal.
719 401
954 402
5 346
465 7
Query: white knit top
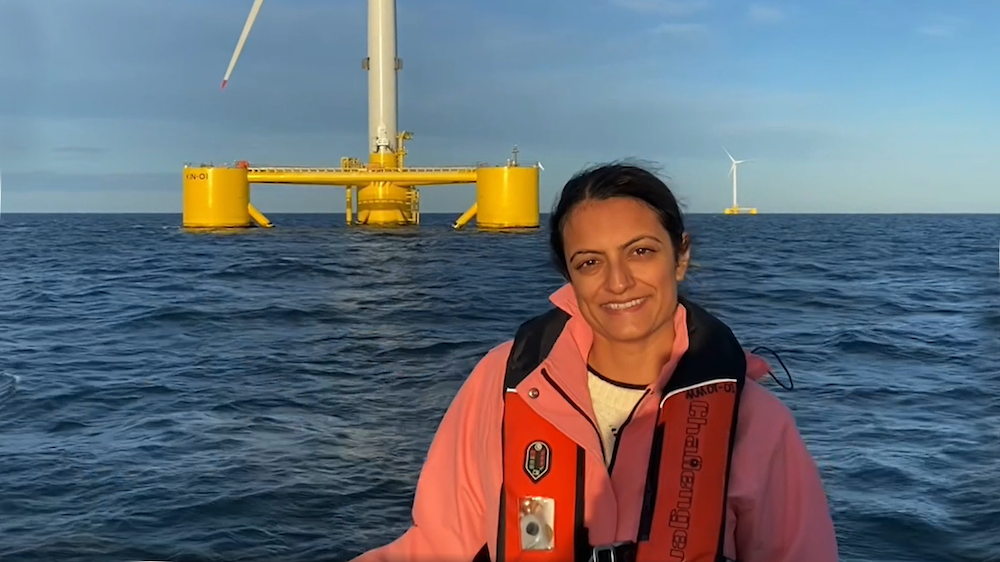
613 402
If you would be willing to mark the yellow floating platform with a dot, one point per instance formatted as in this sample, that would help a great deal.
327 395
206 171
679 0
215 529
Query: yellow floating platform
382 193
741 211
219 198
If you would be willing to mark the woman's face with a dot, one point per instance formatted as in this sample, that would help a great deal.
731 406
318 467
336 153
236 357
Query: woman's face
623 268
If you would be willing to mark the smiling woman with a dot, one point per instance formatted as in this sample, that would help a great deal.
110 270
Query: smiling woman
619 239
623 424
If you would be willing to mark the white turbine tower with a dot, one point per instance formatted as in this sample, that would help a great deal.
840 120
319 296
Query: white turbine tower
733 170
381 64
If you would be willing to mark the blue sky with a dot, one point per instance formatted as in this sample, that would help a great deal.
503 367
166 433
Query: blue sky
845 105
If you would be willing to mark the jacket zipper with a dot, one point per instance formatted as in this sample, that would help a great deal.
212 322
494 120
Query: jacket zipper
566 397
621 430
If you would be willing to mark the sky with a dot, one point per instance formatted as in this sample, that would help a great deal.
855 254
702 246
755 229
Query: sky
857 106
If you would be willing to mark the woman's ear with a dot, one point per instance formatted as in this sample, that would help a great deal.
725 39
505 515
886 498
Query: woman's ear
683 257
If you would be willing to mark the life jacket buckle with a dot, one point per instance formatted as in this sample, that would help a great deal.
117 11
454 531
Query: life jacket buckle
604 553
610 553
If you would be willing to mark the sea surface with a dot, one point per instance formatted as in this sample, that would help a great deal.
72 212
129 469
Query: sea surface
270 394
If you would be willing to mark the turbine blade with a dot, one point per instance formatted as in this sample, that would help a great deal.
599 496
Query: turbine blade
729 155
243 39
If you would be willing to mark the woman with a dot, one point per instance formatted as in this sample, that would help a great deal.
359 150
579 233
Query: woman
624 424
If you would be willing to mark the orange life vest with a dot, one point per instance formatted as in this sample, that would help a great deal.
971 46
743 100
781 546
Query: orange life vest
683 515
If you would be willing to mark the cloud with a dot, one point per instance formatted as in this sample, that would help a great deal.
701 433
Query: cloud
940 27
762 14
671 8
79 150
681 30
150 73
132 89
152 62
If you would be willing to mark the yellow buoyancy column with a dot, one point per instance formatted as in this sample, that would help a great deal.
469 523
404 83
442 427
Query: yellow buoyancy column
383 203
507 197
216 198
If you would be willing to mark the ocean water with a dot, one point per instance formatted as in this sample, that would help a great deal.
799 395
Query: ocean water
270 395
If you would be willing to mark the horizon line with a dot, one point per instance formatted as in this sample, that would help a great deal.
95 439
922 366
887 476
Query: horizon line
692 213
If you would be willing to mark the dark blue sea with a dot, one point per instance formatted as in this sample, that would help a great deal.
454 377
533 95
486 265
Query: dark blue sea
269 395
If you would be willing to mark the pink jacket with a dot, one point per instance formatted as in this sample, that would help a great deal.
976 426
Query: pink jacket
777 506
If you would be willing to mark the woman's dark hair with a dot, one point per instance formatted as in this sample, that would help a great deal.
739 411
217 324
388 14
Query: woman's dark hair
607 181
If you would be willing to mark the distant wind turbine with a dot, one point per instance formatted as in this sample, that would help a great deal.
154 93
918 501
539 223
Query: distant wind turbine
733 169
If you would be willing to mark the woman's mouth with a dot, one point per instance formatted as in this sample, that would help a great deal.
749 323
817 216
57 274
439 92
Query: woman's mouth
624 306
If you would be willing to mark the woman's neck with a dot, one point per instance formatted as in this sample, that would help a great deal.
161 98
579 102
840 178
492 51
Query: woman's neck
632 362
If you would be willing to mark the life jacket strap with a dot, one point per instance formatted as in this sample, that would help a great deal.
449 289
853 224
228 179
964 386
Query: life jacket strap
622 552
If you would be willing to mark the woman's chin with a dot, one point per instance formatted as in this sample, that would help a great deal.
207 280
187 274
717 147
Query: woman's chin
627 329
